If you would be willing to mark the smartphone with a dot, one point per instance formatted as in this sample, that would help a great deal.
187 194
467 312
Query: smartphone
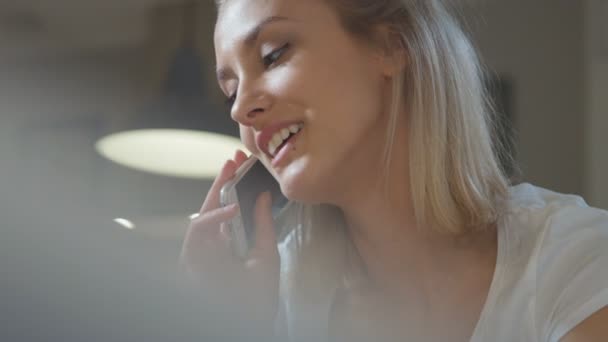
251 179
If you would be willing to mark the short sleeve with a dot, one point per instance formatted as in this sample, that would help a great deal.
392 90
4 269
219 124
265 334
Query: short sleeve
572 270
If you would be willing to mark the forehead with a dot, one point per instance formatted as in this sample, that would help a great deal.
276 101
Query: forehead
236 18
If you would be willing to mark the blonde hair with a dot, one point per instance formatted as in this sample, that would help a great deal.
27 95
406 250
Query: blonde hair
456 181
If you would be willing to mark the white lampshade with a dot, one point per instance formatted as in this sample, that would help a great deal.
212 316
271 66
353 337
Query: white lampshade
181 133
170 152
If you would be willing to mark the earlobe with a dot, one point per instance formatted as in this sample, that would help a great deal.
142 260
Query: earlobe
394 64
393 56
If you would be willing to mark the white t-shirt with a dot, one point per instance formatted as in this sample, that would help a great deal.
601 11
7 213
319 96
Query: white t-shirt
551 273
552 268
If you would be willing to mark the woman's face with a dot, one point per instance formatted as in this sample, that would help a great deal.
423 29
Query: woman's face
290 62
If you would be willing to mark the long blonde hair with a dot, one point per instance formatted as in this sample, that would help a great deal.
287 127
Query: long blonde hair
456 181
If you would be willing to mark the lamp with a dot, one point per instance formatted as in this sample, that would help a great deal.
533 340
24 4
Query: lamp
182 134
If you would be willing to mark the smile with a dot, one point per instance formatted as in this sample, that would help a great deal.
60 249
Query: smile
280 138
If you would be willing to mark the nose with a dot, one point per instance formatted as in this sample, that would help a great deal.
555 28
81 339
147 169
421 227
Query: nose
249 106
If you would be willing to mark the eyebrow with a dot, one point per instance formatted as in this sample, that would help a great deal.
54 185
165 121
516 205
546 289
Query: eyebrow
250 38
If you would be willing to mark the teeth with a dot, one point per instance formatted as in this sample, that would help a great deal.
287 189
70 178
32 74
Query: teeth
294 128
280 136
284 133
277 139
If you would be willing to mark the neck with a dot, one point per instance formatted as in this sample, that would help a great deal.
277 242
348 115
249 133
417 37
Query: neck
402 259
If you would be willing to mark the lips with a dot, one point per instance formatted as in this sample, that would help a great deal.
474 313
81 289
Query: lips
266 134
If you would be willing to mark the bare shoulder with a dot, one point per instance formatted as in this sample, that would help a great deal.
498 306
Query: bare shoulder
592 329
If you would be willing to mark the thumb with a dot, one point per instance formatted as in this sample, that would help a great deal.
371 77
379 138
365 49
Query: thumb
265 236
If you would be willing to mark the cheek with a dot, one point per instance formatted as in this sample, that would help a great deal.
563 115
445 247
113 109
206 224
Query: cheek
248 139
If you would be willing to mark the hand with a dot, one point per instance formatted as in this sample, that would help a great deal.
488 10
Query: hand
248 290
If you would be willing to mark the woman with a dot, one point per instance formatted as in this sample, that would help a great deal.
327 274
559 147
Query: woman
405 227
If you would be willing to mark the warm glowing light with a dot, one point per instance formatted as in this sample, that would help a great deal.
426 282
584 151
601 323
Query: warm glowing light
178 153
125 223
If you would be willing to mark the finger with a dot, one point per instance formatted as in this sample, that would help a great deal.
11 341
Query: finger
207 225
206 228
240 157
265 239
225 235
212 200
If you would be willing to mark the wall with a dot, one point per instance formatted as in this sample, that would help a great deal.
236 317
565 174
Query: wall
538 47
596 137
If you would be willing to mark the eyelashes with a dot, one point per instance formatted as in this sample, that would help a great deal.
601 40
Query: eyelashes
268 61
271 58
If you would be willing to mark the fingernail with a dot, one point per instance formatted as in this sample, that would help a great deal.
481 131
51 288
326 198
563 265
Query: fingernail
231 207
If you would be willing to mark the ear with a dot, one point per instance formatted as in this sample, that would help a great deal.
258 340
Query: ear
391 51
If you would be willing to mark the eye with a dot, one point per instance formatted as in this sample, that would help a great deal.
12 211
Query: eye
274 56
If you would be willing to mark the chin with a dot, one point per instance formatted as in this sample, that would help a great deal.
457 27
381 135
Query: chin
299 184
